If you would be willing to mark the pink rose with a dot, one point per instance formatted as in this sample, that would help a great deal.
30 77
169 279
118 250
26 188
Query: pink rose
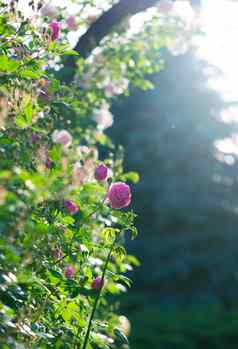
71 206
55 30
69 272
62 137
119 195
97 283
72 23
49 10
101 172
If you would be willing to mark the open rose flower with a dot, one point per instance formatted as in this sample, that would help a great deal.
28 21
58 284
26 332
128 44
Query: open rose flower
97 283
101 172
69 272
71 206
119 195
72 23
62 137
55 30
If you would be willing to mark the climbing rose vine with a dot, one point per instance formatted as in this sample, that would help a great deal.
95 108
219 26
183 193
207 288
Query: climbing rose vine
64 196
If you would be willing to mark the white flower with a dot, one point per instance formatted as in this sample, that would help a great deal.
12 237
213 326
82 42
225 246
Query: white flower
103 117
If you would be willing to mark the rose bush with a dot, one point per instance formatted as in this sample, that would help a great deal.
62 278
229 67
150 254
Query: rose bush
62 259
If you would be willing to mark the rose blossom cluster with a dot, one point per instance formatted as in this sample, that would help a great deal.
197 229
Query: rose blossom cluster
52 12
83 170
107 82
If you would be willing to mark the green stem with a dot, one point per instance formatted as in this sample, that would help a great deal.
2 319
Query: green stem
85 343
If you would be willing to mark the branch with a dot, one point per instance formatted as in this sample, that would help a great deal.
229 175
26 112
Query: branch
102 27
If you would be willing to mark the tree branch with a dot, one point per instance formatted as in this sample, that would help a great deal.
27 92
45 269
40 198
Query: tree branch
102 27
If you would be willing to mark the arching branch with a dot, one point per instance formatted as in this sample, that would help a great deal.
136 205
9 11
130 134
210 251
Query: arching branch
102 27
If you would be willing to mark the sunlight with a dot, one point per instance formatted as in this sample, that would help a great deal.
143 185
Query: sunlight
219 45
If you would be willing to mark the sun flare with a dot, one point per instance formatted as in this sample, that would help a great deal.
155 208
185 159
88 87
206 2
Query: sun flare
219 45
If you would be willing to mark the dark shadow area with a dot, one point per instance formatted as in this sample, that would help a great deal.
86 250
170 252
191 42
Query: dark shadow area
187 203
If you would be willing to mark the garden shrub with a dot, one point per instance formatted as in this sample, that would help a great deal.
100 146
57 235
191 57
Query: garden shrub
64 209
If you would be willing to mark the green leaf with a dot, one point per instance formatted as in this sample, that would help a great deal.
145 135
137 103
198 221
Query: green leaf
131 176
70 53
8 65
32 74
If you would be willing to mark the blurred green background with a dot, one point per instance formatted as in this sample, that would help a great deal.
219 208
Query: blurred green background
185 292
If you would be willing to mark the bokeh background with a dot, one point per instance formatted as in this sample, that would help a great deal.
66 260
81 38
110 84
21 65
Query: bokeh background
182 138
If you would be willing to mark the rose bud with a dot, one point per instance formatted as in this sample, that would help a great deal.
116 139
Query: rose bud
97 283
119 195
71 206
55 30
69 272
101 172
35 138
49 164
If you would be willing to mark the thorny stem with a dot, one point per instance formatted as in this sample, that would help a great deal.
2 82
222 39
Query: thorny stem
85 343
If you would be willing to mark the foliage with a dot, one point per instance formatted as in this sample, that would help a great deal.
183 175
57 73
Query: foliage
59 233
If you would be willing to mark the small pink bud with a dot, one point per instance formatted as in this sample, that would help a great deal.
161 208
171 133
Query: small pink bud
119 195
49 164
101 172
69 272
55 30
35 138
71 206
72 23
97 283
